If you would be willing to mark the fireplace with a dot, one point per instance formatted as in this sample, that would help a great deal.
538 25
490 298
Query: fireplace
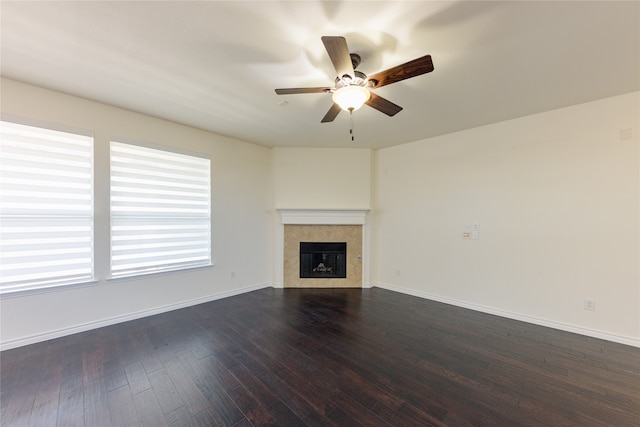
318 226
323 260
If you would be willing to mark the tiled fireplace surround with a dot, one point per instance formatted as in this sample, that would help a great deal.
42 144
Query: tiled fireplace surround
321 225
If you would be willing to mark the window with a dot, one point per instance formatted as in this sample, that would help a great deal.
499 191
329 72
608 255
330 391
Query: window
46 207
160 210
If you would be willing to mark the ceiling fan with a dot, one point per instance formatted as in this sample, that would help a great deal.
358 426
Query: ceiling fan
353 88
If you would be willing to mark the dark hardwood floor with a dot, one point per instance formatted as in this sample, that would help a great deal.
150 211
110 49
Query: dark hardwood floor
303 357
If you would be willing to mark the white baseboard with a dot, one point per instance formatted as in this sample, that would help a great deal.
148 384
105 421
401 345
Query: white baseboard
516 316
7 345
32 339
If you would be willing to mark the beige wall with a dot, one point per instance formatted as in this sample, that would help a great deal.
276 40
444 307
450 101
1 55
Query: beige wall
241 222
556 197
322 178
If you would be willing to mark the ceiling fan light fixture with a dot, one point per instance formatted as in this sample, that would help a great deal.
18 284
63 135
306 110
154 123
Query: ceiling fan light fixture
351 97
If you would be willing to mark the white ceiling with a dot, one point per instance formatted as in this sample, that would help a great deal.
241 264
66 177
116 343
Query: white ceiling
214 65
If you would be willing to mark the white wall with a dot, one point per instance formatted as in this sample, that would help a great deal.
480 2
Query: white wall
556 197
322 178
338 179
241 222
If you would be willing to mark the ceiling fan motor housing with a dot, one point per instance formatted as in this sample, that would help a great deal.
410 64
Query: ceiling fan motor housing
359 79
355 60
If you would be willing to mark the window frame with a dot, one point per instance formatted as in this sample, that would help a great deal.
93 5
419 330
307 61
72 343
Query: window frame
164 150
30 217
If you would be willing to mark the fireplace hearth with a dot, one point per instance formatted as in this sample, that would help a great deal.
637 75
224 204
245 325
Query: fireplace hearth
323 260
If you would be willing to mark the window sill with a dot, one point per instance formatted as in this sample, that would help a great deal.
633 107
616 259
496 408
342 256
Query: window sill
17 293
157 273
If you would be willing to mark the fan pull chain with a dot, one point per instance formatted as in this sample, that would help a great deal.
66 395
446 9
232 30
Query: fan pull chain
353 138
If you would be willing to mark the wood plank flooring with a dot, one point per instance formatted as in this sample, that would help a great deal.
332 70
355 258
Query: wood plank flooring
321 357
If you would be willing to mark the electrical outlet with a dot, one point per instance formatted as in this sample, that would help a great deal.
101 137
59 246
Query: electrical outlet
590 304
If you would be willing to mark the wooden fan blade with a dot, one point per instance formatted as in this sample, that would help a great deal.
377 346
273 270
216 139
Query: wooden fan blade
339 54
294 90
331 114
404 71
383 105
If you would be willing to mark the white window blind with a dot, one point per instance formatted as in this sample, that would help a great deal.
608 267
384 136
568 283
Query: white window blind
160 210
46 207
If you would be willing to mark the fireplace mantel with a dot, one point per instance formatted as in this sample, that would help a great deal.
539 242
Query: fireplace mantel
324 216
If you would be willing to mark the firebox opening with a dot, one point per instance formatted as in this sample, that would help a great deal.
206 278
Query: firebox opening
325 260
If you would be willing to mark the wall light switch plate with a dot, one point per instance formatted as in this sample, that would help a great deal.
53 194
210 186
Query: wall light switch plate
625 134
475 235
